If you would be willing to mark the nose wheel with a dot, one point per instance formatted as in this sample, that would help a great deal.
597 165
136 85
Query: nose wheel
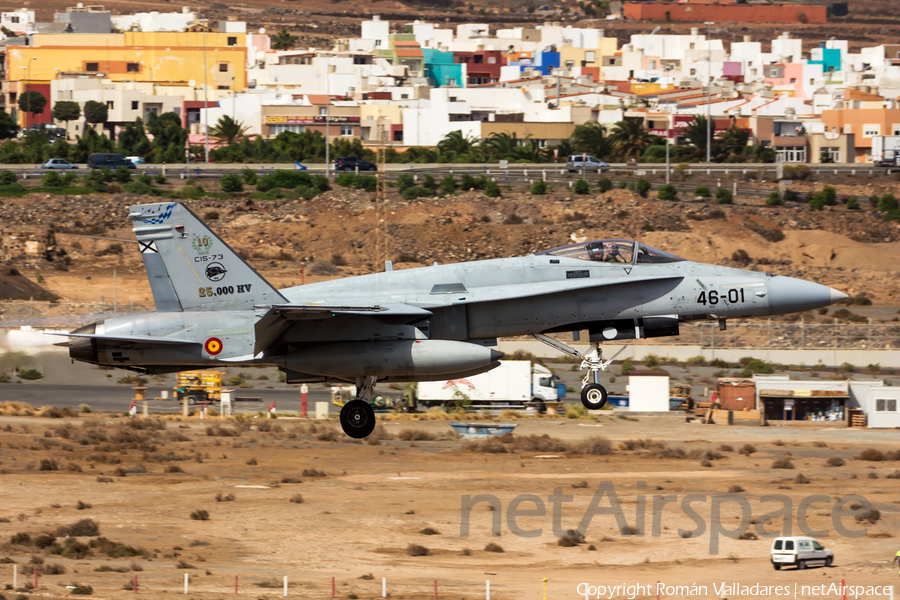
593 396
357 416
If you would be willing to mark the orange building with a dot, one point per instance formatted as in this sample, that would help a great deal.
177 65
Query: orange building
864 124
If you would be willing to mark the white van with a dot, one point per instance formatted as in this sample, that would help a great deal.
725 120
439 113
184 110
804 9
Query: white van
799 551
578 162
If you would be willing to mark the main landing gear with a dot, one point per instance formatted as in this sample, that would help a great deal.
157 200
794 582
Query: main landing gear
357 416
593 395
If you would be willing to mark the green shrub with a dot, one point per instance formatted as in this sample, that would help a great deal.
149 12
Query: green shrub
774 199
51 179
30 374
604 185
852 203
642 187
140 188
582 187
249 176
69 179
231 183
724 196
160 179
539 187
145 178
702 192
448 185
429 182
7 177
13 188
667 192
791 196
404 182
491 189
887 202
473 183
123 174
351 180
817 202
411 193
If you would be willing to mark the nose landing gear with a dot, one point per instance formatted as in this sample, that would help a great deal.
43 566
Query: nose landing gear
357 416
593 395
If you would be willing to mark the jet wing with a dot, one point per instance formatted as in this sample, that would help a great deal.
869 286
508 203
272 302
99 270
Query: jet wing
145 339
280 316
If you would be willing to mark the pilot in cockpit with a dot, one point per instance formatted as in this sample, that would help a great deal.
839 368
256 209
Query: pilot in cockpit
609 252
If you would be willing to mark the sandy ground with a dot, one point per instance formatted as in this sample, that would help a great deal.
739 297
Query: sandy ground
375 500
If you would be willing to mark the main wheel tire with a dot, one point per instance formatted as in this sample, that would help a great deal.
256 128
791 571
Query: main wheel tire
357 419
777 566
593 396
828 561
801 565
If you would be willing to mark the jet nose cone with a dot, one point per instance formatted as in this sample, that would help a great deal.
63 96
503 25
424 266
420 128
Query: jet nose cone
837 296
789 295
496 355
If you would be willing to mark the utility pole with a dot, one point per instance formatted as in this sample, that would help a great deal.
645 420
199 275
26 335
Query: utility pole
205 92
708 94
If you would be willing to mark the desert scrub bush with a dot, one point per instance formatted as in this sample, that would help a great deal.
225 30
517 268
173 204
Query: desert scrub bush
220 497
782 463
296 499
200 515
493 547
430 531
724 196
415 435
417 550
313 473
82 528
835 461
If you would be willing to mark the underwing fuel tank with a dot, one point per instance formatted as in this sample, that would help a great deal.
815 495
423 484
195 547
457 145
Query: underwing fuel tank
401 358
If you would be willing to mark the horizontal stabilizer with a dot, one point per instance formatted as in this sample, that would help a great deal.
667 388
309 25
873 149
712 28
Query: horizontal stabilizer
280 316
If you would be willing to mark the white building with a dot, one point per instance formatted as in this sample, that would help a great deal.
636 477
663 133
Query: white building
154 21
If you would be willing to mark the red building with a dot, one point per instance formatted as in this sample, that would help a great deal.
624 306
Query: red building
482 66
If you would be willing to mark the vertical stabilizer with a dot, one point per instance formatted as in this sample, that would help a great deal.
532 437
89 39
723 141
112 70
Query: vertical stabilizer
190 267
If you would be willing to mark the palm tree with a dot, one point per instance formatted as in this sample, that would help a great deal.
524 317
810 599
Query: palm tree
284 41
696 132
629 139
458 142
591 138
734 140
228 131
502 146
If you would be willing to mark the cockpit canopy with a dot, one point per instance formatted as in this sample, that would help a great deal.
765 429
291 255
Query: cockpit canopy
613 251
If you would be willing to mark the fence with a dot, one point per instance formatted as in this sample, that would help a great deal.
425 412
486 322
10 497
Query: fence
788 336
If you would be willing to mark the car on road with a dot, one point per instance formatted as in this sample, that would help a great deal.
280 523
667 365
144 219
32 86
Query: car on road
799 552
351 163
58 163
579 162
98 160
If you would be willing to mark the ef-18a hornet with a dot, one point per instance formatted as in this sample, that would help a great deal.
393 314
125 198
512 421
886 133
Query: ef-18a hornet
428 323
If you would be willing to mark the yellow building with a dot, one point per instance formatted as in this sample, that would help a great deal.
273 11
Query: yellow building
134 55
160 57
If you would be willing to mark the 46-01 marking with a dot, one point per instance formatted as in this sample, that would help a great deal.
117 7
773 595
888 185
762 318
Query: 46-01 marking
733 296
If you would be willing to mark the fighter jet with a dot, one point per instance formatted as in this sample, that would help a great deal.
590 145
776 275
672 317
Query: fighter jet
428 323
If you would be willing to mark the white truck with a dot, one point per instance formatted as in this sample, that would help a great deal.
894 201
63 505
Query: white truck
886 150
514 384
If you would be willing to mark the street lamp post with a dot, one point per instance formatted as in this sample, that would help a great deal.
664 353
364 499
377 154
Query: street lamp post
327 114
668 140
708 94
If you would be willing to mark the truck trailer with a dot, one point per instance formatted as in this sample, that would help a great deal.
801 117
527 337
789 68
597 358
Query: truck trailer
514 384
886 150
